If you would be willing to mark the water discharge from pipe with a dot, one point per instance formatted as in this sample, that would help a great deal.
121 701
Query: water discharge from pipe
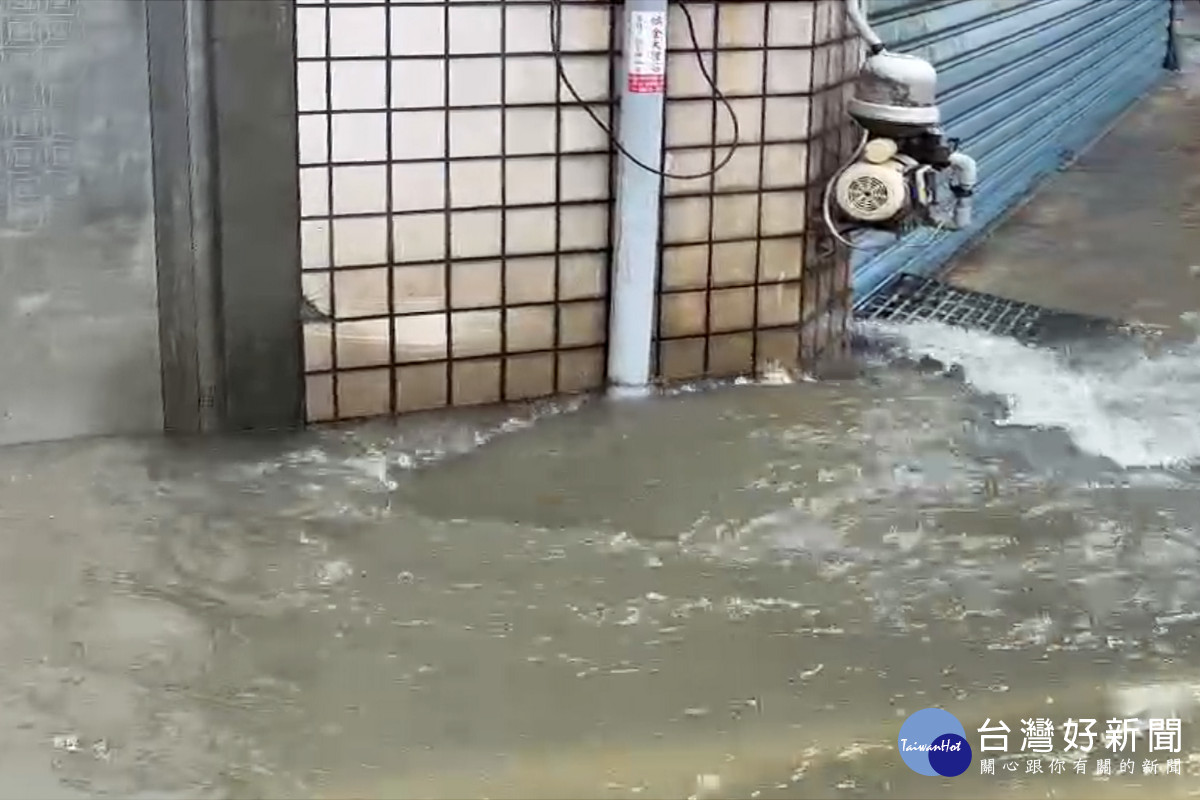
1114 399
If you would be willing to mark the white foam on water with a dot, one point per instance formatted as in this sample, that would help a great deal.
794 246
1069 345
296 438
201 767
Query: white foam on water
1128 407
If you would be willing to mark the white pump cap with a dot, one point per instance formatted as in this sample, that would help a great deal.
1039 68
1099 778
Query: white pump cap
880 150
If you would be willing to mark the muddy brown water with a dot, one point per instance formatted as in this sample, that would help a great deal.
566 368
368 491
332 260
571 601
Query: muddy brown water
737 592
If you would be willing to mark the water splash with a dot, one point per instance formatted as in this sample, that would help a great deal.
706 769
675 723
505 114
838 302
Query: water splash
1117 402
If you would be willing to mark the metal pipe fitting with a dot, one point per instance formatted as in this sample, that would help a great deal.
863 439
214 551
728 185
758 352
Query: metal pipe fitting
859 19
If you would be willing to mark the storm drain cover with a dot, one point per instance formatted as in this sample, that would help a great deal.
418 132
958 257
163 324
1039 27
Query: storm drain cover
912 298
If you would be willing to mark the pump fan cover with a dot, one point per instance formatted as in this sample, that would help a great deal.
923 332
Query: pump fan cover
872 192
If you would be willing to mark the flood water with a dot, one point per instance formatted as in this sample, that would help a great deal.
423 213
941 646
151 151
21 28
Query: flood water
735 592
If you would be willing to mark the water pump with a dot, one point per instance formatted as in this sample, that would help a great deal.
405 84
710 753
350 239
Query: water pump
893 181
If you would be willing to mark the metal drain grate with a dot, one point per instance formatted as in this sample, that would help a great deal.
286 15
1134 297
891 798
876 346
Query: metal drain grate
911 298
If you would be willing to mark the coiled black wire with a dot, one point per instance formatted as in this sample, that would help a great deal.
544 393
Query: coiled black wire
556 47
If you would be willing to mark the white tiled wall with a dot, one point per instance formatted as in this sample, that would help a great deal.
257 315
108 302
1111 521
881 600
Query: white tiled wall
455 200
734 245
479 203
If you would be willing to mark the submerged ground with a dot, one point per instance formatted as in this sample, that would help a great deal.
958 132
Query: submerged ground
752 584
738 592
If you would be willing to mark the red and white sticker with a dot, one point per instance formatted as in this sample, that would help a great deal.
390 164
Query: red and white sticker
647 48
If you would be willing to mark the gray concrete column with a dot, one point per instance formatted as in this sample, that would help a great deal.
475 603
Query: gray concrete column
223 110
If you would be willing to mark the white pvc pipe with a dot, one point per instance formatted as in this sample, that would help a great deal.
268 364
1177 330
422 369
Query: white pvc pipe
634 300
859 20
966 175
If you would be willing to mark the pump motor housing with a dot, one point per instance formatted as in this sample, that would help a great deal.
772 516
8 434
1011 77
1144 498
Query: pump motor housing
886 188
893 182
895 95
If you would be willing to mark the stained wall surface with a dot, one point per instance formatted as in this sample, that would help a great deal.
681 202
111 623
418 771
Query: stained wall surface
457 200
77 276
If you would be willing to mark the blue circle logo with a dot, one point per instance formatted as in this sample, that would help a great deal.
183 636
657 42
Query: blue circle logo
933 742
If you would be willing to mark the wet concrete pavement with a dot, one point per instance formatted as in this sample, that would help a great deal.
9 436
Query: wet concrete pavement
1118 233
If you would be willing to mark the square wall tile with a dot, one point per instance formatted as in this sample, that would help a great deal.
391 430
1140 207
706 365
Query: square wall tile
584 227
419 237
585 177
475 234
359 84
476 382
786 118
529 328
529 80
681 359
313 135
318 398
682 314
582 276
359 241
582 324
589 75
421 387
749 116
310 86
529 280
475 133
418 135
735 216
789 71
742 24
314 244
790 23
360 293
531 181
474 29
531 231
318 347
778 304
357 31
731 354
580 370
418 83
741 72
530 131
731 309
364 393
686 220
741 173
685 266
475 81
786 165
783 213
734 262
361 343
360 190
529 376
689 123
419 288
475 284
421 337
310 32
360 137
419 185
778 349
780 259
580 133
418 30
475 183
475 333
314 191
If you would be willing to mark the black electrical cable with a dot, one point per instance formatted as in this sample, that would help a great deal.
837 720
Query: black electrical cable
556 46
